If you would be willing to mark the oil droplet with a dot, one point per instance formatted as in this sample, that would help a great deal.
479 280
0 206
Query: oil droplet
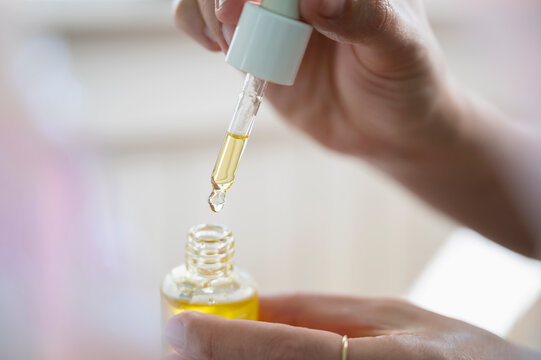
217 200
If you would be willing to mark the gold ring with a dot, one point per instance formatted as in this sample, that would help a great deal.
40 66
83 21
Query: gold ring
345 345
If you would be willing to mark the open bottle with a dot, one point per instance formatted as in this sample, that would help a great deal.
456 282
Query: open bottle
209 282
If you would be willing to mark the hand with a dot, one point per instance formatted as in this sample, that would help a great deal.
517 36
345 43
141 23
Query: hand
372 81
311 327
373 84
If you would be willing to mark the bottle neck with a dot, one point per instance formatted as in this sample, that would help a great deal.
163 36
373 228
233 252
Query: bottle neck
209 251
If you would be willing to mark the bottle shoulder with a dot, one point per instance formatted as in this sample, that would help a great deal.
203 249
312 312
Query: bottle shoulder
182 285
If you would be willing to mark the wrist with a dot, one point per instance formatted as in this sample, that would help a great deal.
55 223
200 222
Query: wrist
441 134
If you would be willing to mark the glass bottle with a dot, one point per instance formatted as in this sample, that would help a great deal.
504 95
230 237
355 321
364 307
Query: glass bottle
209 282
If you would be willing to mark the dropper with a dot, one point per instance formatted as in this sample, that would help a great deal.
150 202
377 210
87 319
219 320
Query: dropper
268 45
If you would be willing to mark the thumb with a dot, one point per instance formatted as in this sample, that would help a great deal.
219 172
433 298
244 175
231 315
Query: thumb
378 22
384 34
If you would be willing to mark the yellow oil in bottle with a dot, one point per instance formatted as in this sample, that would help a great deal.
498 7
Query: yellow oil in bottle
208 281
246 309
226 169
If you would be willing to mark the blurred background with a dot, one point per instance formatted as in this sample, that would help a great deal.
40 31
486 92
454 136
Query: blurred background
110 124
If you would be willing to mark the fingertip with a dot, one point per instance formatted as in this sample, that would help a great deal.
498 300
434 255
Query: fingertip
208 41
181 330
212 47
228 11
187 316
175 4
175 333
203 37
188 18
191 320
309 9
228 31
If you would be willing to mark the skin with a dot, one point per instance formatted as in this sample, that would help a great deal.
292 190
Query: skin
299 327
373 84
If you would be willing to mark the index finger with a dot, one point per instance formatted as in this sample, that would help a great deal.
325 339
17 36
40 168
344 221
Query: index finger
207 337
228 11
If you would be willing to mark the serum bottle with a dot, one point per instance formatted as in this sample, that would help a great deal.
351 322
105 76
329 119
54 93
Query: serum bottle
209 282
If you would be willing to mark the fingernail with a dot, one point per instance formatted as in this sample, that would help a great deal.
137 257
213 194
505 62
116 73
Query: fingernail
209 34
174 334
219 3
228 31
332 8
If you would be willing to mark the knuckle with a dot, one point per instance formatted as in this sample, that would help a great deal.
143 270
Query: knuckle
395 310
384 10
371 18
388 305
377 308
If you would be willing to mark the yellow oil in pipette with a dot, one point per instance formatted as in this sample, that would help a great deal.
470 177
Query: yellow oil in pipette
239 130
225 169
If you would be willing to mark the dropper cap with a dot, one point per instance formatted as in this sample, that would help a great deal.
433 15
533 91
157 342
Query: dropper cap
270 41
287 8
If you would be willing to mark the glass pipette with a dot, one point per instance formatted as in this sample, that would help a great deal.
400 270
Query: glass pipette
268 44
238 132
